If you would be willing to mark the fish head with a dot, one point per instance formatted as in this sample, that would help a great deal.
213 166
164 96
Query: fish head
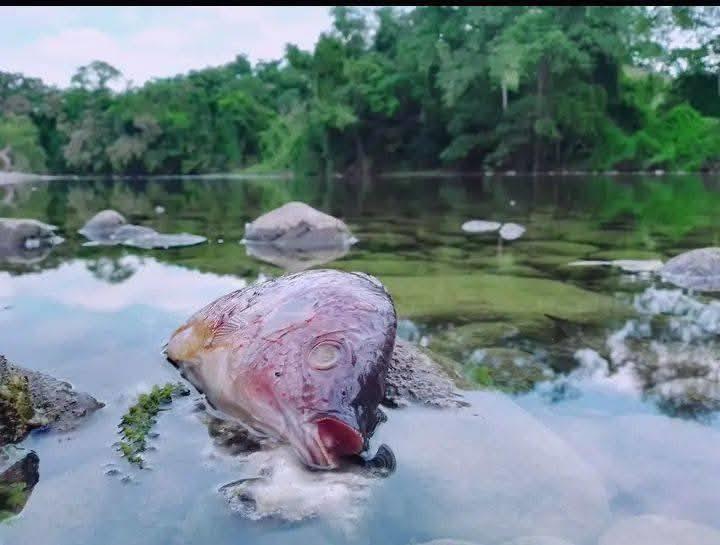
320 360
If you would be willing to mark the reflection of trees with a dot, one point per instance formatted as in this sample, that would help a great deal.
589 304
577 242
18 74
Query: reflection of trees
113 270
671 207
18 476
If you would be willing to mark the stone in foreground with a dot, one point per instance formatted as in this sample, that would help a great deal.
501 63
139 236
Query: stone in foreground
29 399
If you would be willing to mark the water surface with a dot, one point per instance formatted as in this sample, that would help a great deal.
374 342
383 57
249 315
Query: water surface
598 388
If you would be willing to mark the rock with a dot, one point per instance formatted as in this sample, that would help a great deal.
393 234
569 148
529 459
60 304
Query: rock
497 472
418 376
297 225
102 225
29 399
658 530
697 270
480 226
18 476
26 240
110 228
511 231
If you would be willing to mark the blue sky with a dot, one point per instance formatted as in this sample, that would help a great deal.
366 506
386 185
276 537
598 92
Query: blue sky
146 42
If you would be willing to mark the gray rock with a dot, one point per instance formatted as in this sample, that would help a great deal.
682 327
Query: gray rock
26 240
29 399
297 225
417 376
658 530
110 228
697 269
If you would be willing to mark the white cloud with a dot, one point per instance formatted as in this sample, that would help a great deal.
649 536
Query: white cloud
164 287
150 42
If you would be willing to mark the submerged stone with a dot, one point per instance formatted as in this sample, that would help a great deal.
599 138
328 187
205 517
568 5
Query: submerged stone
110 228
480 226
697 269
511 231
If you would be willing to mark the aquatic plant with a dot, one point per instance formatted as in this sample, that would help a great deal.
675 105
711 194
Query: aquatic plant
137 422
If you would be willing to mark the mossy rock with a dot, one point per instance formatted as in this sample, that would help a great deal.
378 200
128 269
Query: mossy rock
18 476
524 302
29 399
16 406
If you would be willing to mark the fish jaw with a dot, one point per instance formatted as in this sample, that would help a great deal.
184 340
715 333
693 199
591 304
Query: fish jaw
323 441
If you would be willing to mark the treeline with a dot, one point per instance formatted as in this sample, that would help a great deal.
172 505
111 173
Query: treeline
523 88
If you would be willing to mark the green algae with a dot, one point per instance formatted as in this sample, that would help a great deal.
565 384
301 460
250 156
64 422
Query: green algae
137 422
525 302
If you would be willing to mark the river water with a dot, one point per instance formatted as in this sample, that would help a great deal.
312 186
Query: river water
592 416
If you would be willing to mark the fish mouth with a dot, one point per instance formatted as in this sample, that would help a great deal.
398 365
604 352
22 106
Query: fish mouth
326 440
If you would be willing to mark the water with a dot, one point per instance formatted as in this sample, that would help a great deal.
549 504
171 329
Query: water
601 385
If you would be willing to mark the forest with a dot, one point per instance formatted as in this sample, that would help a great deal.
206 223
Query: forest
531 89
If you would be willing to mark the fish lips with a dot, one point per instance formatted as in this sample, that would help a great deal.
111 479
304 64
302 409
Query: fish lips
328 439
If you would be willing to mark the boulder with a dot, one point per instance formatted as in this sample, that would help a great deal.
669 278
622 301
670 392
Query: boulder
297 225
29 399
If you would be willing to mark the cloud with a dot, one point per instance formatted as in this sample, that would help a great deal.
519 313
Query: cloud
151 41
163 287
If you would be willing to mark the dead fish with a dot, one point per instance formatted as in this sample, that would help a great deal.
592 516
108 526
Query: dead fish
302 358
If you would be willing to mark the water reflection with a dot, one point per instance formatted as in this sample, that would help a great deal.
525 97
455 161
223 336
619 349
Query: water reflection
620 374
18 476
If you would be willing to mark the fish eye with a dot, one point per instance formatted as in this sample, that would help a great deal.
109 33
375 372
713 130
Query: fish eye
324 356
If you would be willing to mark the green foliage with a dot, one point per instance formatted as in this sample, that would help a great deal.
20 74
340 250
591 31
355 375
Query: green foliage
520 87
141 417
22 136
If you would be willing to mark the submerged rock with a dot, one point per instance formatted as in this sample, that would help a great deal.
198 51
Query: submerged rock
697 270
29 399
480 226
511 231
659 530
25 240
110 228
297 225
18 476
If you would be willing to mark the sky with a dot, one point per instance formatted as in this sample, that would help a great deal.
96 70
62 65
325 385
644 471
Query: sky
146 42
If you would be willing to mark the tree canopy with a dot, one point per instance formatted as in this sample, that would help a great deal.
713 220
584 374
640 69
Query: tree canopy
523 87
